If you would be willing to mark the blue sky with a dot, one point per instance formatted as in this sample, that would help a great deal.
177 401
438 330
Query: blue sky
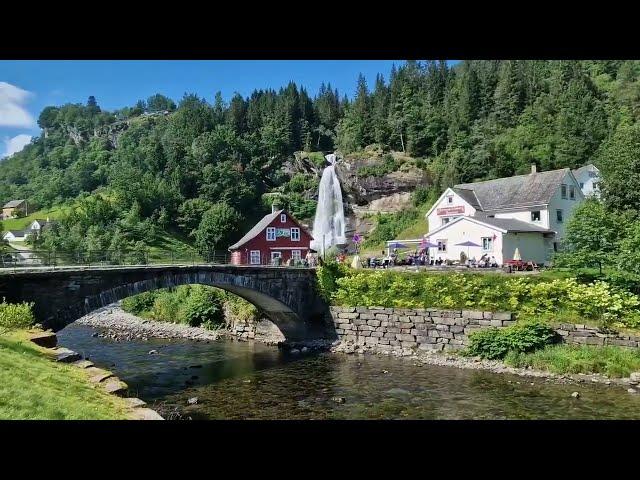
26 87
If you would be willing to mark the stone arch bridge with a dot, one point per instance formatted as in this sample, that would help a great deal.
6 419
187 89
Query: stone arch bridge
287 296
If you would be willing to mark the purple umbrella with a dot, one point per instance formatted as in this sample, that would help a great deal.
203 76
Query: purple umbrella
467 244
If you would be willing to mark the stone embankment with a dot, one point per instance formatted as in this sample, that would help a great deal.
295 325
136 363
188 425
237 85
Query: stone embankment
431 336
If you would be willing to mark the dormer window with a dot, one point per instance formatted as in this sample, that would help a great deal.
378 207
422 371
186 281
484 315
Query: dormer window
563 191
283 218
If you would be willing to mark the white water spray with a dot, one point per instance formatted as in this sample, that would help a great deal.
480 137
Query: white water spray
328 226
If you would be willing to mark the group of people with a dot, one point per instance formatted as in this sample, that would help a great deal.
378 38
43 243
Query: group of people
418 257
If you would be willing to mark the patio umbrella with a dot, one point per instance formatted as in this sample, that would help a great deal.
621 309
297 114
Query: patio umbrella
467 244
516 254
396 245
427 244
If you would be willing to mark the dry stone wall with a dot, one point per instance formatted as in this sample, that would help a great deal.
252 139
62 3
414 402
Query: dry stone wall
436 329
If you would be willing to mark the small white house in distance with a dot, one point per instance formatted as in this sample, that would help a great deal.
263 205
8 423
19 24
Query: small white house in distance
15 235
588 178
524 212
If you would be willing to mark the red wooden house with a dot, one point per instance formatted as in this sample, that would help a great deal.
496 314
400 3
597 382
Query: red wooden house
277 236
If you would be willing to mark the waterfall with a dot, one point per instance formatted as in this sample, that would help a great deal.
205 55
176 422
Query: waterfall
329 224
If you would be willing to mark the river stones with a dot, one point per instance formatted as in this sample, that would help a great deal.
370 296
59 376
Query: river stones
64 355
115 385
134 402
192 401
82 364
145 414
575 394
338 399
45 339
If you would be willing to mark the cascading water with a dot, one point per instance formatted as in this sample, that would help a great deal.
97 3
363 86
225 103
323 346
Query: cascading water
329 224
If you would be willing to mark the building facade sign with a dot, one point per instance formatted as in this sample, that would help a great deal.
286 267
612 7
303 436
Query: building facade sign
283 232
451 210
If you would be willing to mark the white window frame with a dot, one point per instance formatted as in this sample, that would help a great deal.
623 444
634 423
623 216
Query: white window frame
296 255
271 234
283 218
295 234
275 254
442 243
563 191
489 242
561 219
252 257
539 216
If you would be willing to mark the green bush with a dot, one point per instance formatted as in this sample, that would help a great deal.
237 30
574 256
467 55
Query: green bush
138 304
202 305
328 276
495 344
15 315
388 165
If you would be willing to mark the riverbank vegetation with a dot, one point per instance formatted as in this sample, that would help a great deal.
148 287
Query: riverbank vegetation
607 360
193 305
556 299
534 344
33 386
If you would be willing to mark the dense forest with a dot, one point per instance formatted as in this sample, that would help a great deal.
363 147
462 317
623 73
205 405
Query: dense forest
198 169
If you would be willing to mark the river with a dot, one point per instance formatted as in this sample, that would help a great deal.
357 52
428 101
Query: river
249 380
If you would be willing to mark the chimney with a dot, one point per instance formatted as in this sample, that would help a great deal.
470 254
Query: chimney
274 207
533 168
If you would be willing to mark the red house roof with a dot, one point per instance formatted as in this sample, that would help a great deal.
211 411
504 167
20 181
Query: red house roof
261 225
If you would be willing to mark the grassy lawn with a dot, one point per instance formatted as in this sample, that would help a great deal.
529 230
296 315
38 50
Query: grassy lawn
609 360
22 223
34 387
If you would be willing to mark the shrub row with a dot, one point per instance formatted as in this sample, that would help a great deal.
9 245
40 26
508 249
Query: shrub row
527 296
15 315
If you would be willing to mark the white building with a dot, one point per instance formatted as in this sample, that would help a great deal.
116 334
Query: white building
527 212
588 178
15 235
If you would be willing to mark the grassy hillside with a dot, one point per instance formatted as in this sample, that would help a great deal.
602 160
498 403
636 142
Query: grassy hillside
22 223
34 387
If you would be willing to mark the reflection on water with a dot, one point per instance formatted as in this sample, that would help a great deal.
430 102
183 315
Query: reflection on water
240 380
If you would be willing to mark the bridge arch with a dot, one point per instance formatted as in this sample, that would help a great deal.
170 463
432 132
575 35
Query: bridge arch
286 296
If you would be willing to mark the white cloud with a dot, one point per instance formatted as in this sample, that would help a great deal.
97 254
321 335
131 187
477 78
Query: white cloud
12 111
15 144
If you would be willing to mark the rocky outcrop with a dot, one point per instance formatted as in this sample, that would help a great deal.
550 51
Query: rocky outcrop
362 190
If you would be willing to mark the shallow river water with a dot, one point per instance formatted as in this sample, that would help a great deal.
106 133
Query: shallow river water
242 380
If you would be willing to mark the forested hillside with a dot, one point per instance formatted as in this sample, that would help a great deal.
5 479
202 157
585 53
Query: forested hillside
199 169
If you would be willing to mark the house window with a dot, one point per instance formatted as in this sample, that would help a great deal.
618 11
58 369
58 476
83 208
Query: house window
581 185
254 258
559 215
442 245
572 192
295 255
271 234
450 199
275 255
295 234
535 216
283 218
563 191
487 244
445 220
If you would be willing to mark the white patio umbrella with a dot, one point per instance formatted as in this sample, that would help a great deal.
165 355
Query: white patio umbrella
516 254
356 262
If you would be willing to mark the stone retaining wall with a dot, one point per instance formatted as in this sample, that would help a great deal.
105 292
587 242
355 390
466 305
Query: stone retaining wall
436 329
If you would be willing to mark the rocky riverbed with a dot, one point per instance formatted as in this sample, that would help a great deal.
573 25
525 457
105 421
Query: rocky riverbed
113 322
631 384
